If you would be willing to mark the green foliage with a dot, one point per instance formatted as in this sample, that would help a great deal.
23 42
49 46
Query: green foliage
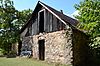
89 17
11 21
4 52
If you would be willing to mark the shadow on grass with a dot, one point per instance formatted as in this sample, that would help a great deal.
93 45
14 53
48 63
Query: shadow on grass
7 56
2 56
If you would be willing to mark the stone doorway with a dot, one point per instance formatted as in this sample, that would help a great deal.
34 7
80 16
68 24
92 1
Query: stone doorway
41 49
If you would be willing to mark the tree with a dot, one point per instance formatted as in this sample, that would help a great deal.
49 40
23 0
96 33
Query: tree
11 21
89 17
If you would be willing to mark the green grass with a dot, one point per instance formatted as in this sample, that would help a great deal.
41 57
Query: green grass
23 62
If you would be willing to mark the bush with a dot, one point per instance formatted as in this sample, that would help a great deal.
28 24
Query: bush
3 52
11 54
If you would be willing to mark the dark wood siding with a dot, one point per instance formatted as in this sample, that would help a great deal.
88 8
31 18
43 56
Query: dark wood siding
60 25
51 21
35 27
54 23
51 24
47 21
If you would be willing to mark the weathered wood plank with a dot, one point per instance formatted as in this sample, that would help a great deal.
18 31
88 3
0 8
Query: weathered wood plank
51 21
47 22
54 23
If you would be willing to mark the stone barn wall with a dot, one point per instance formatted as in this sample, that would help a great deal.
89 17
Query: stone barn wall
26 43
58 47
64 46
80 48
55 47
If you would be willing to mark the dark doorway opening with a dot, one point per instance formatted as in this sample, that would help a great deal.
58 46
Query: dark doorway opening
41 22
41 49
19 47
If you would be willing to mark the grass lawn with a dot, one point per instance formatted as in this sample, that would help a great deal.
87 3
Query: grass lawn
23 62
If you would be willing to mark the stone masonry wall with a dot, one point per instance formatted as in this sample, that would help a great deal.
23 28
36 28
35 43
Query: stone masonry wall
56 50
58 46
80 48
26 43
64 46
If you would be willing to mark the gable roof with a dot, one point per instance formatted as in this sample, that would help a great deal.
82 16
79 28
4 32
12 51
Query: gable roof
64 18
61 15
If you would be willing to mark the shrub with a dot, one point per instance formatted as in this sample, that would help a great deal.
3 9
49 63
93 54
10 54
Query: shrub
11 54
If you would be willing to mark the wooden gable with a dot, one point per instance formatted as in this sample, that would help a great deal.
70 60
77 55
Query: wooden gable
46 19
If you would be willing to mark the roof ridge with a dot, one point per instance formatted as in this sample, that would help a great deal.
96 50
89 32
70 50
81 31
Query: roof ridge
64 17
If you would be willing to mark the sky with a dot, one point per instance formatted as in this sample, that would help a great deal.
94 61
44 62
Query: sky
66 5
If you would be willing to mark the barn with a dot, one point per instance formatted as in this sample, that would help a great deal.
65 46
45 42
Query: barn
52 36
